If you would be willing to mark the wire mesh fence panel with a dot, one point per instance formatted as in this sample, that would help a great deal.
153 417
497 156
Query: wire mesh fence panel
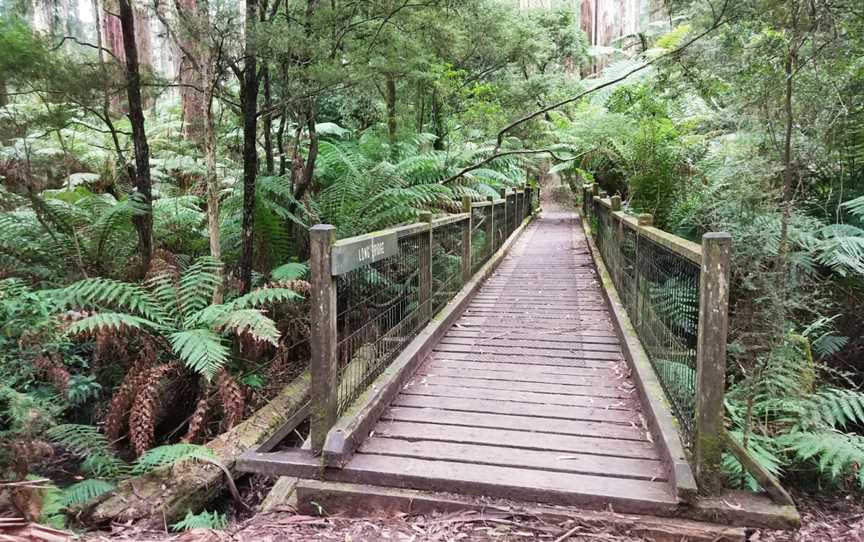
379 312
666 316
446 262
482 245
498 222
511 213
660 290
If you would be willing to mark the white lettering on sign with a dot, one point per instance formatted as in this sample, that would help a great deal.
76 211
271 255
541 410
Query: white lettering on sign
353 254
371 252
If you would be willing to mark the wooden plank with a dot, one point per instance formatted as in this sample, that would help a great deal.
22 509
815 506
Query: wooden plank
535 373
515 423
539 343
587 359
640 469
419 388
508 482
480 385
517 334
599 371
522 409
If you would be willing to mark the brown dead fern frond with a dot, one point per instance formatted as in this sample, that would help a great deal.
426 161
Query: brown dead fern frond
50 366
142 418
198 421
232 397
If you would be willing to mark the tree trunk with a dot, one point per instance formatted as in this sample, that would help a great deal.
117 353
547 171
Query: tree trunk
249 109
144 221
212 189
437 120
4 98
391 112
420 107
280 142
267 119
192 79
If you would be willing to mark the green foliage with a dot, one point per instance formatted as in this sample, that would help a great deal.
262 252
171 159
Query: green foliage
84 491
181 310
203 520
170 454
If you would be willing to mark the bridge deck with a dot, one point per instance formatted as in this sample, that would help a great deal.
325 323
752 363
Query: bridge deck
527 396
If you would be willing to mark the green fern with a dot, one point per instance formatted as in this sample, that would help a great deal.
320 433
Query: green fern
84 491
170 454
179 310
834 452
204 520
88 443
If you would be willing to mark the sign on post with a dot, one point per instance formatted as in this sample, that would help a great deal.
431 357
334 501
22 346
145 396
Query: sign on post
363 251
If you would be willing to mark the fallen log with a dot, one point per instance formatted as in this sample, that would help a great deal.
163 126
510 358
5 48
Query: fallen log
165 495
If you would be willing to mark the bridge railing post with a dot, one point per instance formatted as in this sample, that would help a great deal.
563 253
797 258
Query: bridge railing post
424 262
711 360
506 213
467 249
490 228
529 201
323 339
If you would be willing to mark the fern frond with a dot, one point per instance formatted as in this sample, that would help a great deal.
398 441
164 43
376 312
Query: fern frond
84 491
839 407
251 321
204 520
102 292
265 297
170 454
201 350
109 321
289 271
87 442
834 451
198 284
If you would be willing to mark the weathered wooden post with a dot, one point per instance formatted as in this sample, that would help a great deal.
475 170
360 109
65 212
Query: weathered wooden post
595 189
424 286
529 201
467 250
507 211
490 228
711 359
323 340
616 203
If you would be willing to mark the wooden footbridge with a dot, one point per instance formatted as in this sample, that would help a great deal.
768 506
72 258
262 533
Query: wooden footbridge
506 353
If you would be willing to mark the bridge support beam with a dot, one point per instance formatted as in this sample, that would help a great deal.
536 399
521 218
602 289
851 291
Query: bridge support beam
323 339
711 360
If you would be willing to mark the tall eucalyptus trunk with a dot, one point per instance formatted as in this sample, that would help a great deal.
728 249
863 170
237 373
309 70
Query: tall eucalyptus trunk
249 112
143 184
